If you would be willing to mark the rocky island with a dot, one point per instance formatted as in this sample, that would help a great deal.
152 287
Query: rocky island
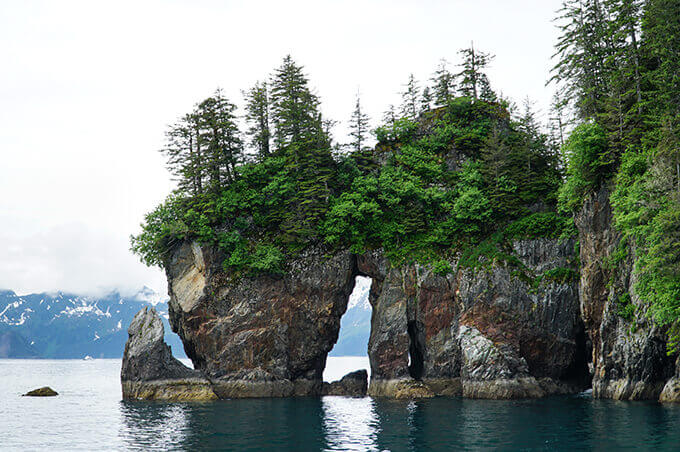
494 275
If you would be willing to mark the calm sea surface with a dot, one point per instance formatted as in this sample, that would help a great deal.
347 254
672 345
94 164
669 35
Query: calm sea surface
89 415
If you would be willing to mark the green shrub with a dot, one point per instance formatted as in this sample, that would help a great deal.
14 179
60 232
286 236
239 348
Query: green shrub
589 163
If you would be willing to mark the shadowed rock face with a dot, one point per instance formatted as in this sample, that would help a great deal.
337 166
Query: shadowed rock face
353 384
149 370
483 335
629 359
430 335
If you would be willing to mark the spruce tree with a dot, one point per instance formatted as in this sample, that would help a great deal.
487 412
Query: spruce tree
410 99
473 82
359 130
257 117
358 127
443 84
216 120
426 100
294 108
300 137
389 116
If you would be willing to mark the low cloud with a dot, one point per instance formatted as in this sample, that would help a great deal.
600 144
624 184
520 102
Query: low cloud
74 258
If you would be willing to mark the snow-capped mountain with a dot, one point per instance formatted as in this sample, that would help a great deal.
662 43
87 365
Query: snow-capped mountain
355 325
63 325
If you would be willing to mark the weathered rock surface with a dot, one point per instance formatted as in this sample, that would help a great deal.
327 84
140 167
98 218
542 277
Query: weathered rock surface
264 336
485 334
629 360
354 384
671 390
489 333
150 372
45 391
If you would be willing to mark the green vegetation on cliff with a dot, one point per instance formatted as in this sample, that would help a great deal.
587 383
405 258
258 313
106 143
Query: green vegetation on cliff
618 68
463 177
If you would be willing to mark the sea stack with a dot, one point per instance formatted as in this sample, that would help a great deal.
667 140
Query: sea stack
149 370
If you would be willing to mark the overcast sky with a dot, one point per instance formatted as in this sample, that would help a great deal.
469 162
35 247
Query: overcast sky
88 87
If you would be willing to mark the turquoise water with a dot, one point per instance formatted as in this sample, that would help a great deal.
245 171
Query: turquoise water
89 415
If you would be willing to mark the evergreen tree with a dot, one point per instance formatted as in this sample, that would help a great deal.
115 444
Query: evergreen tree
257 116
359 127
300 136
584 53
443 84
410 99
216 121
661 32
294 109
389 116
472 81
359 130
183 153
495 156
426 100
204 148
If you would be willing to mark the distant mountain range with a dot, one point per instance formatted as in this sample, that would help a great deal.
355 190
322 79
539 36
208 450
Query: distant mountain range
355 325
63 325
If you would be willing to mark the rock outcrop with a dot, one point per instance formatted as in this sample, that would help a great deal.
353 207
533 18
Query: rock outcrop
500 331
149 370
479 334
263 336
629 359
45 391
354 384
483 334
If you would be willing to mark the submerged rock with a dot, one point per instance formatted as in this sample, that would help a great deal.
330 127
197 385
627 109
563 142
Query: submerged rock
353 384
45 391
150 372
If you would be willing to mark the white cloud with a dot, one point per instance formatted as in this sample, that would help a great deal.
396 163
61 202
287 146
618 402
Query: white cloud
87 88
74 258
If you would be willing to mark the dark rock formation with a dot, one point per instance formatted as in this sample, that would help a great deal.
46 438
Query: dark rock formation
354 384
629 359
489 333
263 336
484 334
150 371
45 391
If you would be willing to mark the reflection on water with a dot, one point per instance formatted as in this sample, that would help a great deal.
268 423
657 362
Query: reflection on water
339 423
89 415
149 426
350 424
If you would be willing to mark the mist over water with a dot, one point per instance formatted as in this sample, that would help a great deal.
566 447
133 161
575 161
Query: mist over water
89 415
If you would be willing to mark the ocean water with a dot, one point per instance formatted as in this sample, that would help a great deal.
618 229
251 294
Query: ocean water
90 415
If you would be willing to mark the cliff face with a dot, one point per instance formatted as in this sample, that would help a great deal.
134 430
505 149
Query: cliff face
479 334
484 334
629 359
488 333
264 336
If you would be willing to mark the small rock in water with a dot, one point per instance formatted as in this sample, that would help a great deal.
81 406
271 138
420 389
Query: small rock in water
45 391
